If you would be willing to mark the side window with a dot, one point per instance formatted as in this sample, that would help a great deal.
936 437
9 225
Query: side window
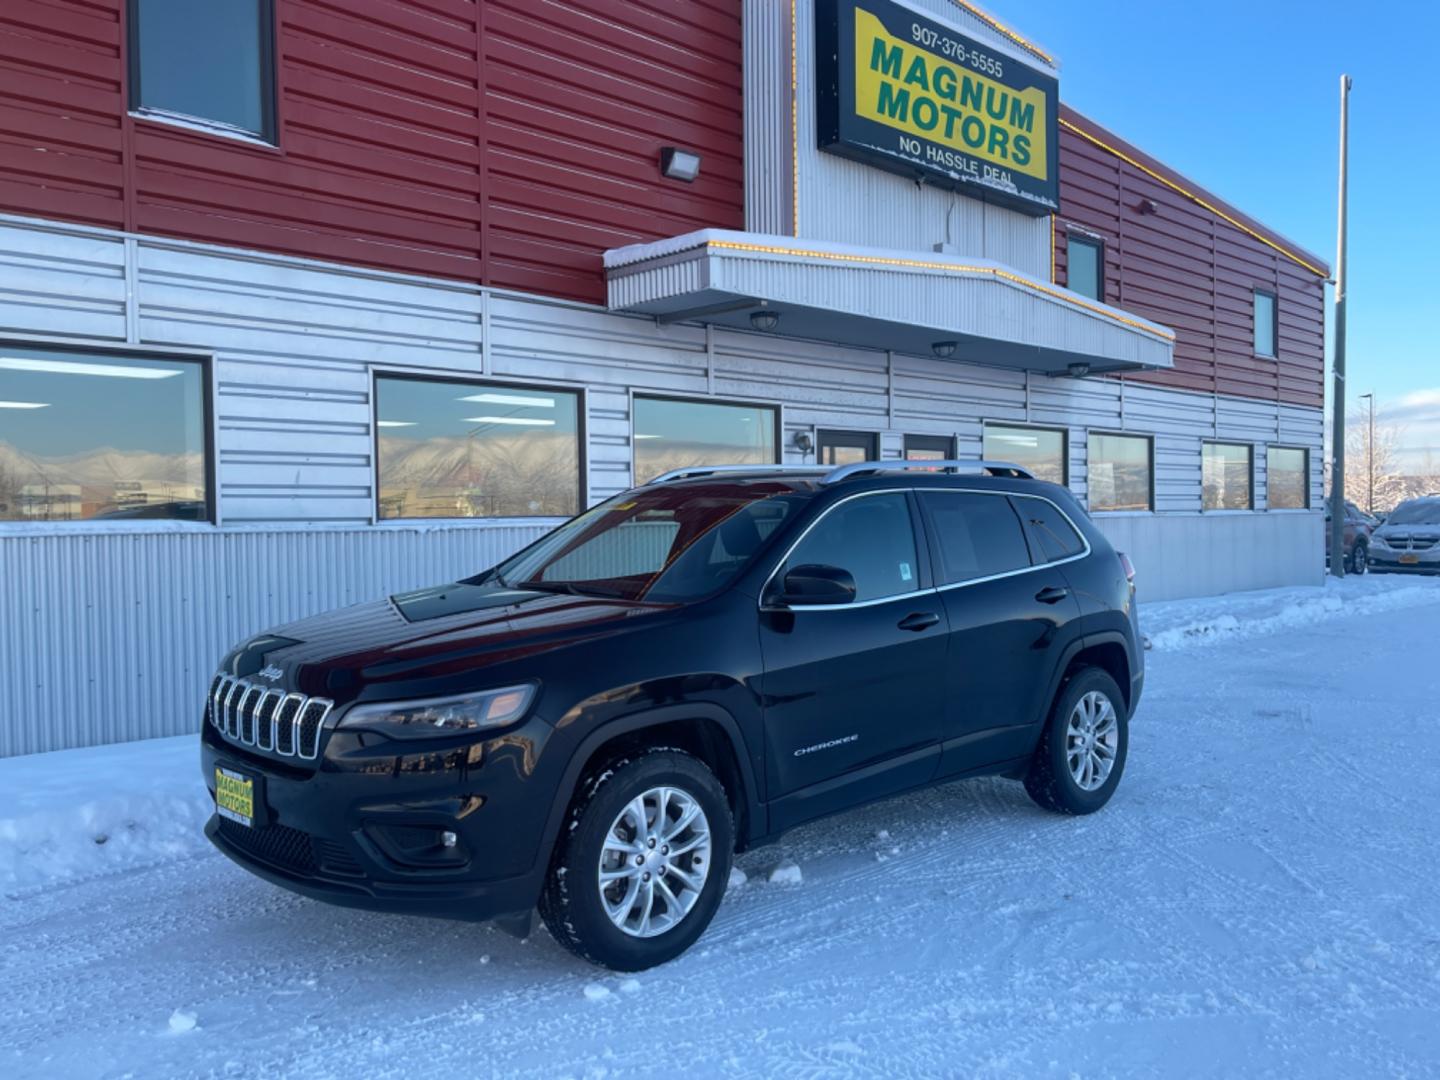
872 537
1056 536
978 535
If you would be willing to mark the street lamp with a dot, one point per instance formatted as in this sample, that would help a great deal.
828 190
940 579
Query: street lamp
1370 453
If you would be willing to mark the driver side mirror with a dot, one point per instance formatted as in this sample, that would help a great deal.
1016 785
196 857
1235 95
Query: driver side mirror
806 586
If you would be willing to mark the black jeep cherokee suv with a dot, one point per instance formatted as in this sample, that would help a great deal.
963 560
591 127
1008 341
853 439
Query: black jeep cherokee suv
597 724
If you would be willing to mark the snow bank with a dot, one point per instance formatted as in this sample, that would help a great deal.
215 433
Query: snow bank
1185 624
81 813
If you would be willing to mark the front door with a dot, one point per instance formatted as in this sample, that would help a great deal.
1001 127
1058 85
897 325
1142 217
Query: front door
1012 614
852 692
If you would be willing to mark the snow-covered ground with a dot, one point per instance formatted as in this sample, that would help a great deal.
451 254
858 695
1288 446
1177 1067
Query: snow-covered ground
1260 898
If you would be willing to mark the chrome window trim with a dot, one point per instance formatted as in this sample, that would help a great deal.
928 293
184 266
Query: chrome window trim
760 601
934 588
1028 569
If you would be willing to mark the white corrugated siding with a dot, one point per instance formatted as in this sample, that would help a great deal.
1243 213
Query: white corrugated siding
113 635
843 200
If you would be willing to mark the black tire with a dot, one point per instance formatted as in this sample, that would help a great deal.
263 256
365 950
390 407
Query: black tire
1359 560
1049 781
571 903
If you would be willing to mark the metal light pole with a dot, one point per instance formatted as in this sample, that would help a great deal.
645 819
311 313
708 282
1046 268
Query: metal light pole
1370 455
1337 436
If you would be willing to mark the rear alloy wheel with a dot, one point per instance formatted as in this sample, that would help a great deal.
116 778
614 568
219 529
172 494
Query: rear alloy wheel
1081 755
640 869
1360 559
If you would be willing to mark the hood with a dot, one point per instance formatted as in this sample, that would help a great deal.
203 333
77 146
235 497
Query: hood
430 633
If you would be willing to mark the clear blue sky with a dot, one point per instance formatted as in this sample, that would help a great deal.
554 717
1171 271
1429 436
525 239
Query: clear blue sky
1243 99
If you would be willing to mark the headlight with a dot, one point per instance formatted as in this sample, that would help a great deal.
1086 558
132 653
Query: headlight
1380 540
442 716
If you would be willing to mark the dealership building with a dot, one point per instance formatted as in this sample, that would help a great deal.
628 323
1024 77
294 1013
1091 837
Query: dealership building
302 304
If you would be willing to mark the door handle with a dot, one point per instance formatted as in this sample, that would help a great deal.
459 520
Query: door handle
919 620
1052 594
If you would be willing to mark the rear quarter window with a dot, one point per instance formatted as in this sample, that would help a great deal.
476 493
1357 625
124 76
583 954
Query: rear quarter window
1051 530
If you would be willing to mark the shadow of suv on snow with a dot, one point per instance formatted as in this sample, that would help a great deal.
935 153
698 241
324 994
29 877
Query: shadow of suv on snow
600 722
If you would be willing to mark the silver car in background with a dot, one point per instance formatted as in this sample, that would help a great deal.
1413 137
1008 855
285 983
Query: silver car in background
1409 541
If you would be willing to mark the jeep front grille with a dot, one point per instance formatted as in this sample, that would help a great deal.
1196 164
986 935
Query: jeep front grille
268 719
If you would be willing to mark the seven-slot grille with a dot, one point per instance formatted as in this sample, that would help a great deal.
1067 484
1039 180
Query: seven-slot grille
266 718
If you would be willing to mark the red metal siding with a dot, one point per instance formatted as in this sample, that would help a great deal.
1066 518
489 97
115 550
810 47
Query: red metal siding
503 141
1189 268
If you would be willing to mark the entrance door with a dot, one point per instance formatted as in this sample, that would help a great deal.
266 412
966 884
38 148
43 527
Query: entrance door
853 692
847 447
929 448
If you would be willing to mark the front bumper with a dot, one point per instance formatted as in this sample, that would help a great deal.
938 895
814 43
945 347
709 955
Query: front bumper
1401 561
344 831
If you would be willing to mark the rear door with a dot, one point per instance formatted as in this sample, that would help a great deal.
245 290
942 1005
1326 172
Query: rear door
1011 613
853 692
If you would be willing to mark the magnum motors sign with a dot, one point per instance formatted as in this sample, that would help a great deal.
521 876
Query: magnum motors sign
906 93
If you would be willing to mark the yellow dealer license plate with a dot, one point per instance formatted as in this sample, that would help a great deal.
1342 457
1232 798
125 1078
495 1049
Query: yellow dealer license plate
1409 560
234 796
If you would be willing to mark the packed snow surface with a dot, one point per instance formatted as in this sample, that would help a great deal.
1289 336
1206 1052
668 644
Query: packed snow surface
1260 899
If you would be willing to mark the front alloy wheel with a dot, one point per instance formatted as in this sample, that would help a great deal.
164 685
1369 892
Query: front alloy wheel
655 862
641 862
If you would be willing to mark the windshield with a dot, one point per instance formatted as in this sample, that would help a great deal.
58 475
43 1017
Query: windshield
667 544
1416 512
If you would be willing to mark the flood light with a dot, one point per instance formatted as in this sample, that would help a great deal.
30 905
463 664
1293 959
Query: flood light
679 164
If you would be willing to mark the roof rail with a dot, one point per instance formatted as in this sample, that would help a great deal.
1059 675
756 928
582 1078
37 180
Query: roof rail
710 470
994 468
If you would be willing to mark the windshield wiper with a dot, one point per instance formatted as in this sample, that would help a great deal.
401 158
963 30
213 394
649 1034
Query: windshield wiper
551 586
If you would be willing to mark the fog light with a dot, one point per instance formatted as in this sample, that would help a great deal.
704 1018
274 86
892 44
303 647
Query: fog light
448 839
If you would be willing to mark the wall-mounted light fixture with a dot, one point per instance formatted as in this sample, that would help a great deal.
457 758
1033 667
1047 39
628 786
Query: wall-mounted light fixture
764 320
944 349
1078 370
803 442
1146 206
679 164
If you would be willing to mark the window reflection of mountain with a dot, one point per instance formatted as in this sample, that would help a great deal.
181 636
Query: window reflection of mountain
500 475
96 483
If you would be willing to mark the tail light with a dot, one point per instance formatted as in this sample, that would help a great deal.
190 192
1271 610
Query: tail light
1128 567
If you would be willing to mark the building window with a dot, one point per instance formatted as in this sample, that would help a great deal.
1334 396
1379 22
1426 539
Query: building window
210 62
1287 478
929 448
675 434
1085 266
847 447
1121 471
1040 450
460 449
91 436
1226 470
1265 323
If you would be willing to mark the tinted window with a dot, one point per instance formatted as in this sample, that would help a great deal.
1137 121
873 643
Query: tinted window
872 537
683 434
206 59
1084 259
453 449
85 435
978 535
1040 450
1225 476
664 543
1119 472
1055 535
1264 323
846 447
1287 478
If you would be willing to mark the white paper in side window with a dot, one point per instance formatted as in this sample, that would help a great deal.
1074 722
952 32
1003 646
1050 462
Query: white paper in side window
905 574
